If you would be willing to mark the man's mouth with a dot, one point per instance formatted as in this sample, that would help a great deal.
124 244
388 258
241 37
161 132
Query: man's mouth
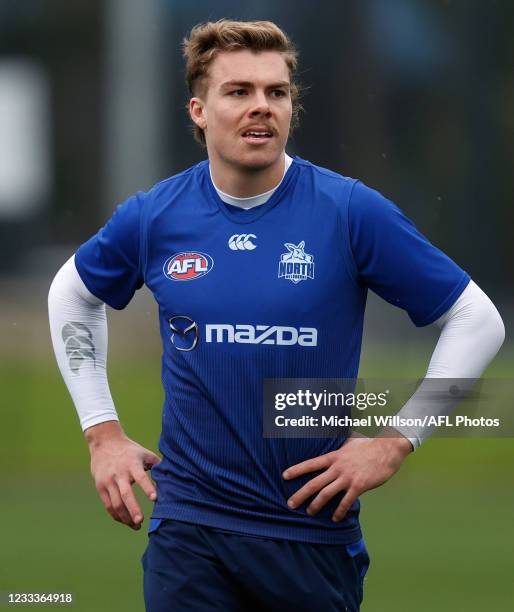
256 135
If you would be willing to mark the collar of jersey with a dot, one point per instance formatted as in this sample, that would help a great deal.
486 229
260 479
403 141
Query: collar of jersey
252 214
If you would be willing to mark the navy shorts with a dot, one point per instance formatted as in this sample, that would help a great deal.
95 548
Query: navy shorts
199 569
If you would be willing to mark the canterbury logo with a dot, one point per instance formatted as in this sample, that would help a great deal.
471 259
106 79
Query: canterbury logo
78 342
242 242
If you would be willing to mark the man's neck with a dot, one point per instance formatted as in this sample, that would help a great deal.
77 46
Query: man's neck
245 183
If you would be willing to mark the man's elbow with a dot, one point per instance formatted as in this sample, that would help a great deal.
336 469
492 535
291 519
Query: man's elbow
494 329
500 330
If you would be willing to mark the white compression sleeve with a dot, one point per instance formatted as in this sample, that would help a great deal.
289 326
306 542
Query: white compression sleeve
78 325
472 332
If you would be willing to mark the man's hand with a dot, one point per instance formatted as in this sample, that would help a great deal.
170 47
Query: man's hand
116 463
359 465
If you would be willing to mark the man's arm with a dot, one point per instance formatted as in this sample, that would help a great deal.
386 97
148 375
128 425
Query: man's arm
472 333
78 325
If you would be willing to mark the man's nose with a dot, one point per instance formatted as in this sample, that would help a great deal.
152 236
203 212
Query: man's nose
260 104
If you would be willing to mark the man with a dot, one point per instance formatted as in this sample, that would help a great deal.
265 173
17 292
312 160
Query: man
260 264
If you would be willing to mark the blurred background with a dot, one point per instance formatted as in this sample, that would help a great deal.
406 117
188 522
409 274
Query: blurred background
414 97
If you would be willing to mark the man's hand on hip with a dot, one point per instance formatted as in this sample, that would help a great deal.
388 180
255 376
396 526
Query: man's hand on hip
359 465
116 463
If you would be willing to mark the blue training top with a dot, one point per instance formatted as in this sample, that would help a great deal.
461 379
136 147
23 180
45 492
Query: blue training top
277 291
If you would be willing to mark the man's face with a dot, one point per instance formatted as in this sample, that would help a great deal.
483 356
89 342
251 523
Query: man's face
246 110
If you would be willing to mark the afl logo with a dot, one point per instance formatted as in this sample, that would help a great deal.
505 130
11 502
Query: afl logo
187 266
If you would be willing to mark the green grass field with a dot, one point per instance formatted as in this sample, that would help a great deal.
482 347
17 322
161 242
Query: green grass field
440 533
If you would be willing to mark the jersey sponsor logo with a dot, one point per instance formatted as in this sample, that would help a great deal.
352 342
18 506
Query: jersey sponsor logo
185 334
261 334
242 242
188 266
296 265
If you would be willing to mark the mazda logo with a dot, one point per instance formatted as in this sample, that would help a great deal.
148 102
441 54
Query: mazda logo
185 333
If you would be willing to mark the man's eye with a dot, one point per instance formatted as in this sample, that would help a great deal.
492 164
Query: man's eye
238 92
278 93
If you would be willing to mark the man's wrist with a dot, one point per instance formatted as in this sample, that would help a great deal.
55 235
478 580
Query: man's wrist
102 432
396 440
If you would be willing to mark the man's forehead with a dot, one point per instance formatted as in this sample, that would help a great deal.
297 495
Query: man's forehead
244 66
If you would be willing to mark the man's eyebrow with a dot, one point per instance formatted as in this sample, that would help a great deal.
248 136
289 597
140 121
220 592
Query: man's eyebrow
228 84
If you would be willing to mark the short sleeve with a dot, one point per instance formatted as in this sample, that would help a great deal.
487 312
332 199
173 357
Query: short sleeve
397 262
109 262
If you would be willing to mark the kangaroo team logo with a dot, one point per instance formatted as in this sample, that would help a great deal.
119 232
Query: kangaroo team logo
296 265
187 266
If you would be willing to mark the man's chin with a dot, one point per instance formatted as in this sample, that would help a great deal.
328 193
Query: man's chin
257 160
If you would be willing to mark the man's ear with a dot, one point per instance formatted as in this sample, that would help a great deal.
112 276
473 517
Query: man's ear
196 110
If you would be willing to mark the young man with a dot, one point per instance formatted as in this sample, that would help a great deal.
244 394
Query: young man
260 264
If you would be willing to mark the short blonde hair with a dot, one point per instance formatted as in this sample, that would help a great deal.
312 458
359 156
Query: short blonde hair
206 40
